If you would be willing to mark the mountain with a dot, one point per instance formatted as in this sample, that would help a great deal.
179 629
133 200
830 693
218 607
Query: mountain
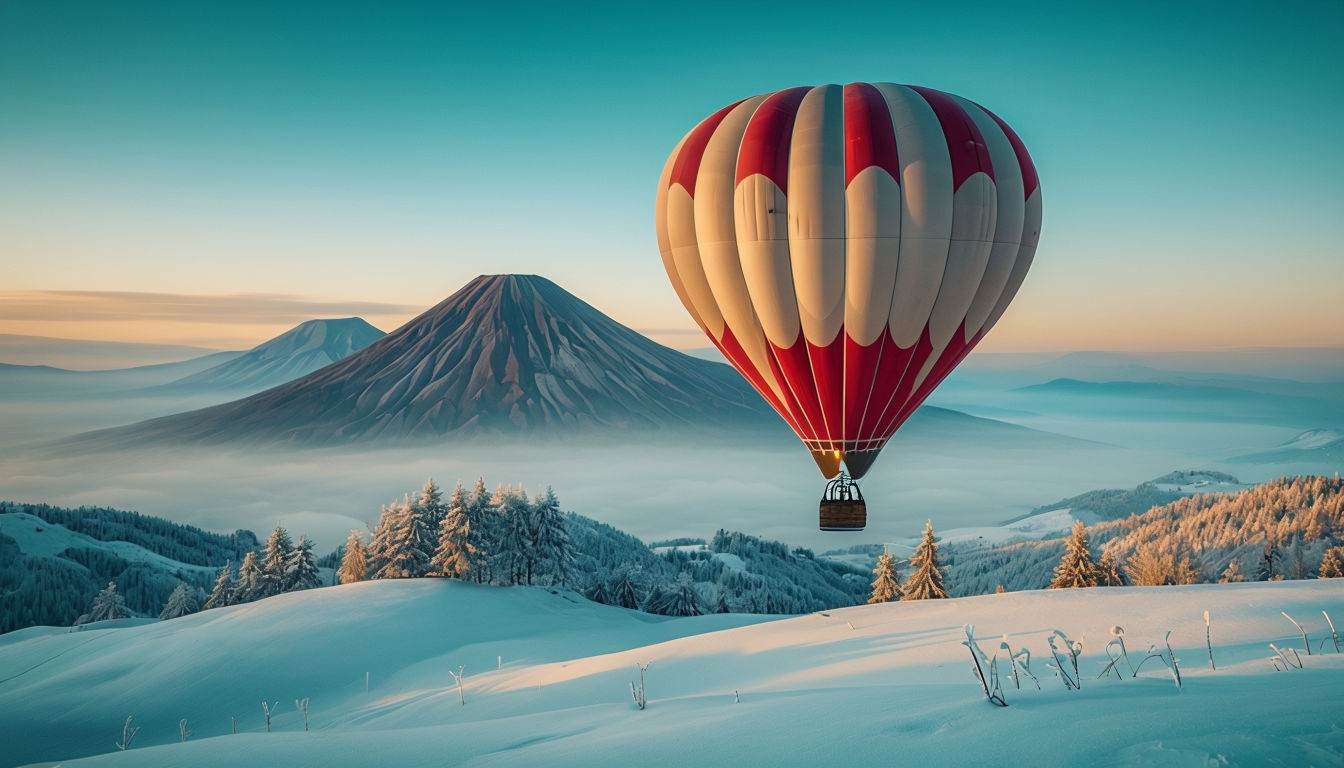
297 352
432 672
505 355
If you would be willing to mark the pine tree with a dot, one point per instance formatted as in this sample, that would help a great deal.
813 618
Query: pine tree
1269 559
182 602
404 554
555 556
676 599
514 557
926 578
107 604
1332 563
1075 568
354 566
886 585
624 589
1108 571
251 583
278 549
429 510
1233 573
456 556
222 594
1150 566
483 524
301 569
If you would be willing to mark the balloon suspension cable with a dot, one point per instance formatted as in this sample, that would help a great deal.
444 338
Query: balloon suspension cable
842 488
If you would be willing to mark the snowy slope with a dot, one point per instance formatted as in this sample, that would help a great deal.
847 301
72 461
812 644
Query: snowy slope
858 686
39 538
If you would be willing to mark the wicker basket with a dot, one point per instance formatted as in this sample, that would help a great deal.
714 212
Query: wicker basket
843 515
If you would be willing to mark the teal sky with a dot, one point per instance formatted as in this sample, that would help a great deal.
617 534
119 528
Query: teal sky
214 173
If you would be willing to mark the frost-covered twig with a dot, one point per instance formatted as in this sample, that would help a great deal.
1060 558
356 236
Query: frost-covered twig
182 729
457 678
1117 641
990 685
268 710
1295 662
302 706
1072 650
127 734
638 693
1305 641
1208 640
1166 656
1333 634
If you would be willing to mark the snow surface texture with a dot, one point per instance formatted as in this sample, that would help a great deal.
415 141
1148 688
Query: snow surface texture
547 681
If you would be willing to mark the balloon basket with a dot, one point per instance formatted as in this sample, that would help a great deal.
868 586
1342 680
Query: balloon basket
842 506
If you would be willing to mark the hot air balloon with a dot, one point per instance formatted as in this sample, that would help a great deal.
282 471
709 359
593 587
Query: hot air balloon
845 247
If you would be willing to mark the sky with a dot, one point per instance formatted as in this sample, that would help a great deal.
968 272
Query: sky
214 173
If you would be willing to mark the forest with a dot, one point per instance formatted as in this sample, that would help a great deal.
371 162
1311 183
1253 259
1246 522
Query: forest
1291 528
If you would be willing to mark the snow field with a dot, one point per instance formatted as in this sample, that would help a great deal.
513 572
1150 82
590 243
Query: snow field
850 686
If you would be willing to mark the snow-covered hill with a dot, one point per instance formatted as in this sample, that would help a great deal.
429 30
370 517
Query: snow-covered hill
297 352
547 682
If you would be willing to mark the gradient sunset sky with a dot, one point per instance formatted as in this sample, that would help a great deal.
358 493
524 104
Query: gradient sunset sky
215 173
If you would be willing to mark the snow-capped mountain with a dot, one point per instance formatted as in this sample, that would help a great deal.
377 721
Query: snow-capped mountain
505 355
297 352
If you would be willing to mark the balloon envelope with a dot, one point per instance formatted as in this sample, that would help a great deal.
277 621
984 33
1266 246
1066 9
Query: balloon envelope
846 246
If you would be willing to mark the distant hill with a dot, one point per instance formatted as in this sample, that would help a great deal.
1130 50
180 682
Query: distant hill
506 355
1303 515
297 352
54 560
1314 445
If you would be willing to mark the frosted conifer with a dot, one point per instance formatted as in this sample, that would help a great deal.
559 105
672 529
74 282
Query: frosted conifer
403 554
251 581
886 585
1233 573
1075 568
926 578
278 549
429 510
222 593
456 556
354 567
554 553
1332 563
301 569
107 605
182 602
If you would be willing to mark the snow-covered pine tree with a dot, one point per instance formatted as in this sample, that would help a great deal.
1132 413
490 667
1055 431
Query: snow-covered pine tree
375 554
676 599
1151 566
404 554
515 557
429 510
1232 574
886 584
624 590
251 584
926 578
278 549
1075 568
1269 559
485 531
107 604
597 589
301 569
184 601
354 566
222 593
456 556
554 554
1332 563
1108 571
